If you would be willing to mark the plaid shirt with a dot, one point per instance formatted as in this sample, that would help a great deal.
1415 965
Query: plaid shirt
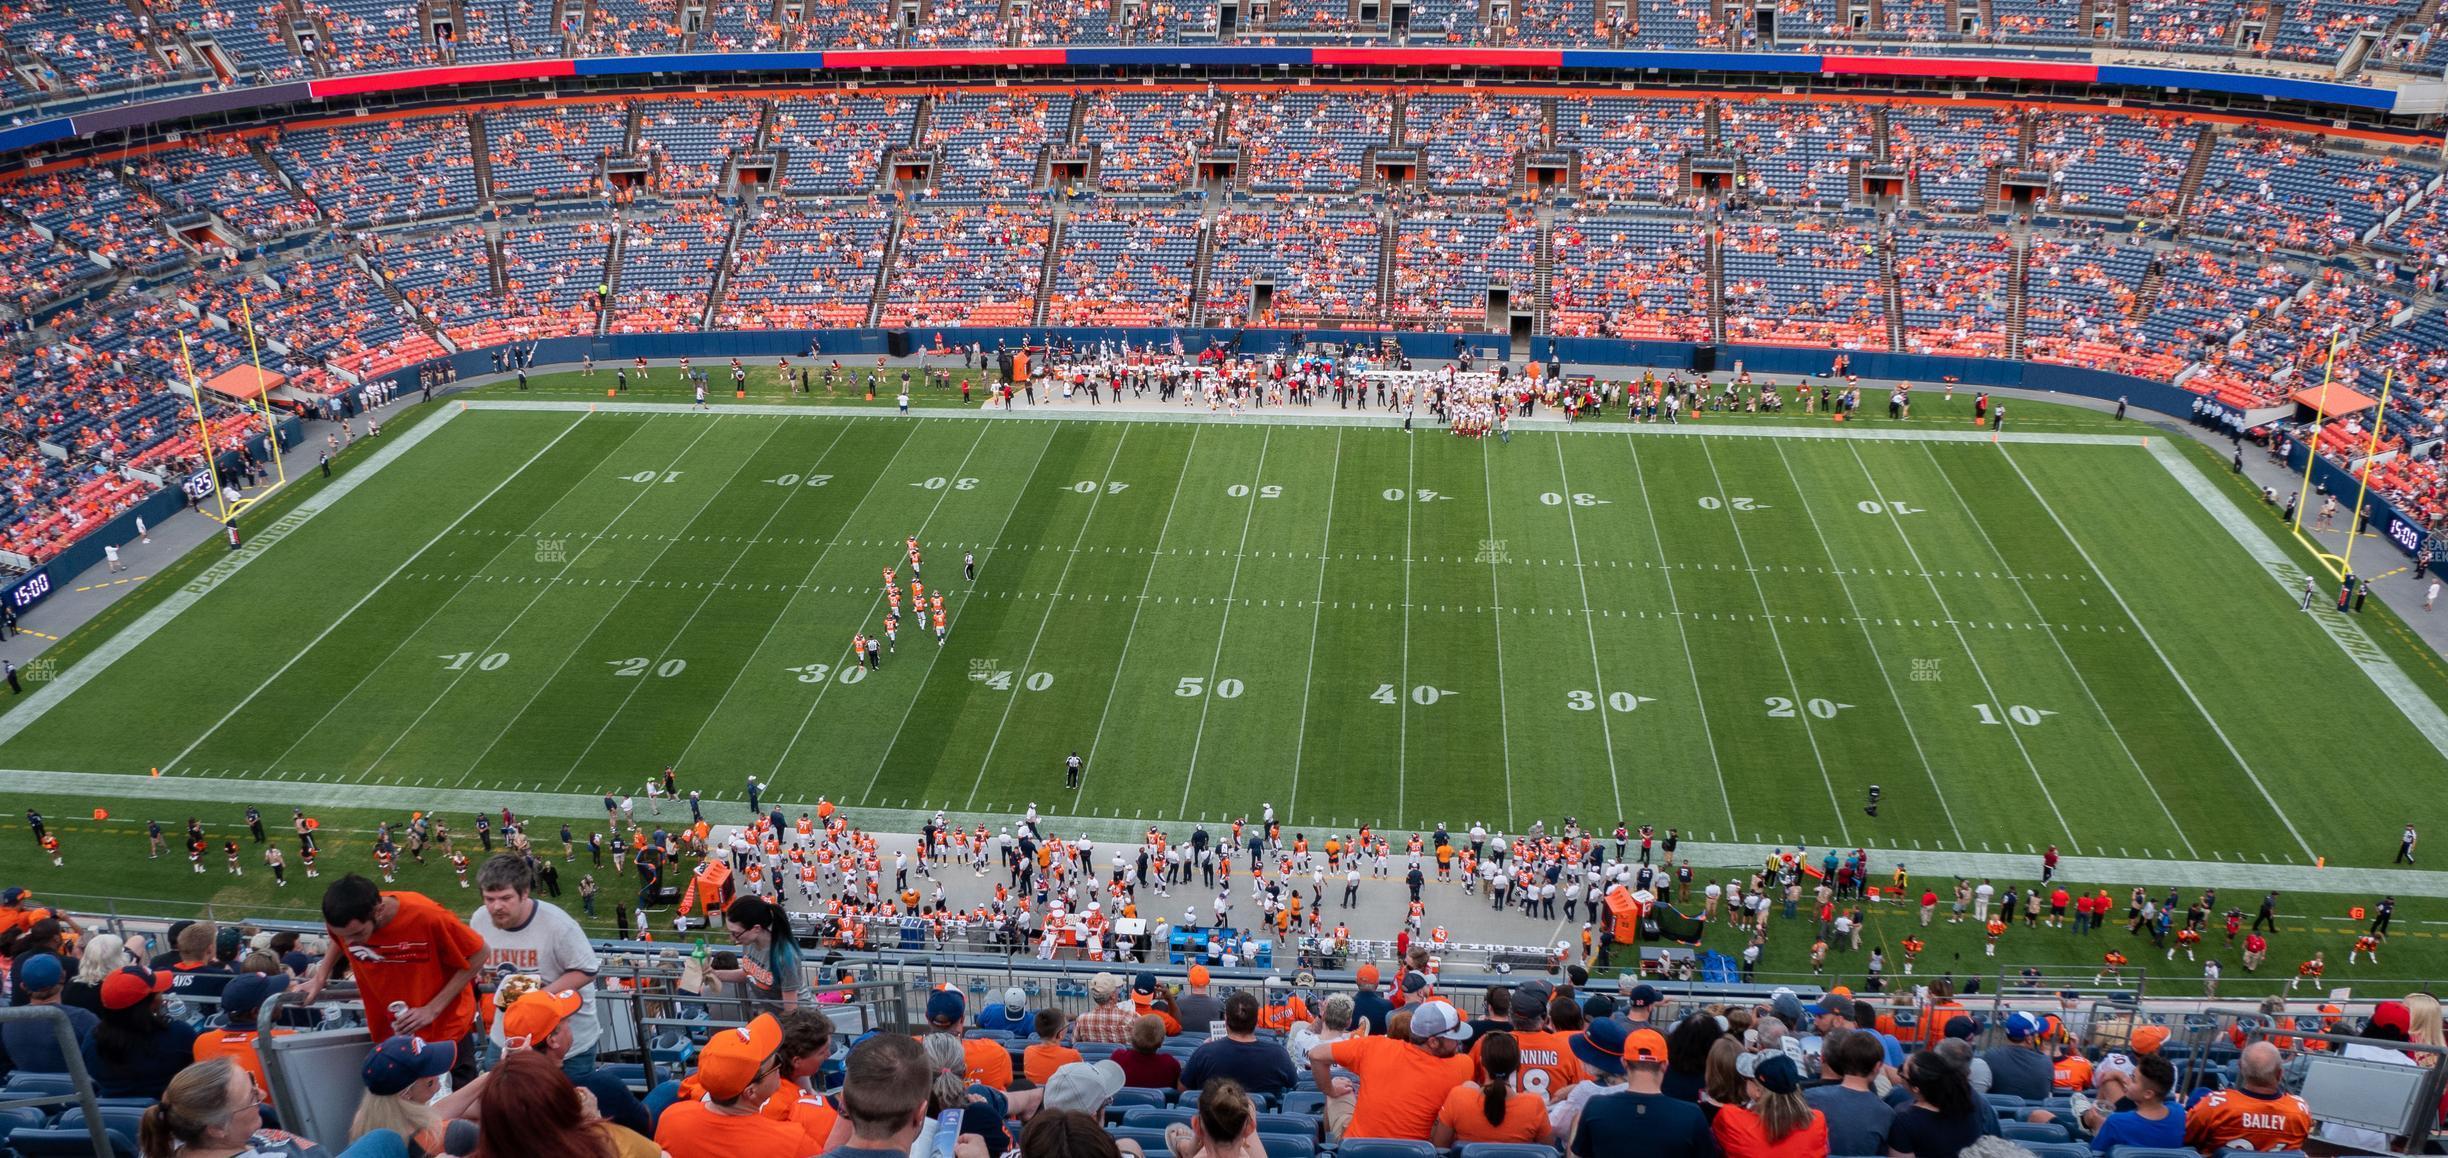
1105 1023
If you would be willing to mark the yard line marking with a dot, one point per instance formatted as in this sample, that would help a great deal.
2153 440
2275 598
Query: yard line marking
1674 609
818 700
966 593
1317 613
1909 731
788 494
1020 683
2419 709
1223 629
1402 708
1147 584
1776 640
2164 661
144 627
439 608
608 606
2049 630
803 587
1589 623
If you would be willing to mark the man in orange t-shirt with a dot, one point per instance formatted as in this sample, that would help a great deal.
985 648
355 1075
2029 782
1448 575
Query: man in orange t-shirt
241 1000
403 949
739 1069
990 1064
2254 1114
1402 1086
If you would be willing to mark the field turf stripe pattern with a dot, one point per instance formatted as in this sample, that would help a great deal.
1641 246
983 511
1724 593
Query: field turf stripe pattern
1733 636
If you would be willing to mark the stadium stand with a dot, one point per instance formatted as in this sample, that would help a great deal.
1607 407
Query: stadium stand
1630 147
1797 154
1308 142
836 142
1315 263
1446 262
385 173
1632 278
552 150
1473 144
804 269
1811 283
1124 266
967 266
1144 141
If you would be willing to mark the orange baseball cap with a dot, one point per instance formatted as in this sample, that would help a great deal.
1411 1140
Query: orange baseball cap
728 1065
1198 975
2149 1038
536 1014
1645 1045
1368 974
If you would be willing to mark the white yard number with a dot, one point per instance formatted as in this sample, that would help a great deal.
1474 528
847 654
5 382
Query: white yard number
934 484
648 476
1037 681
1580 700
1089 487
815 673
1397 494
1738 502
1780 708
1241 491
2023 714
814 480
1579 499
1192 687
638 665
459 661
1423 695
1875 507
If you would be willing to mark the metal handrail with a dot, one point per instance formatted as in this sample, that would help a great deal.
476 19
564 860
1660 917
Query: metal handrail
63 1032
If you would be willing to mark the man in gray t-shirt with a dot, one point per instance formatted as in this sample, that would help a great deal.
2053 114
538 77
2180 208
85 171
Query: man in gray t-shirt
525 935
2018 1067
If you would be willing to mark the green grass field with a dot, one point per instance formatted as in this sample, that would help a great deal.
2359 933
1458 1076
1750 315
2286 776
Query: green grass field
2021 644
1732 635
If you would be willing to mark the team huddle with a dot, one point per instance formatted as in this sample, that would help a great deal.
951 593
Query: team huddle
927 606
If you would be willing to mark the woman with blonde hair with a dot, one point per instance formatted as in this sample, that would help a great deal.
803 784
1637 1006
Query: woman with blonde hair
1724 1085
211 1110
2423 1025
104 954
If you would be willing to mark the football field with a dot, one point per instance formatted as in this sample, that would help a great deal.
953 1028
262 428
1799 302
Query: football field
1735 633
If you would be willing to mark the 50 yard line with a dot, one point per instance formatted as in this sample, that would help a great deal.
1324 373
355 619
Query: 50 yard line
1146 584
1207 702
1402 705
1069 557
173 762
1317 613
1504 727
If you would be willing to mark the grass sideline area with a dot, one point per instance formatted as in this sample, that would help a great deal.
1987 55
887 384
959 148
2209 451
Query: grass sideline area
107 866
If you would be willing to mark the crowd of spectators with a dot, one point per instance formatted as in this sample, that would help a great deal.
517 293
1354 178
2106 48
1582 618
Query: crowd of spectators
1810 283
1637 278
1124 266
1318 262
1305 141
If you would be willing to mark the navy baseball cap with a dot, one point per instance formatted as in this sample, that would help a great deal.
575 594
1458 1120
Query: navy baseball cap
244 996
1643 996
40 971
402 1061
946 1005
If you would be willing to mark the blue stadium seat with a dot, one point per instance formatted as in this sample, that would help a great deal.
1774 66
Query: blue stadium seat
2032 1131
1290 1125
1151 1139
1287 1146
2150 1152
126 1120
1385 1148
1503 1150
66 1144
28 1083
2057 1149
1158 1117
21 1118
2007 1105
1300 1102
